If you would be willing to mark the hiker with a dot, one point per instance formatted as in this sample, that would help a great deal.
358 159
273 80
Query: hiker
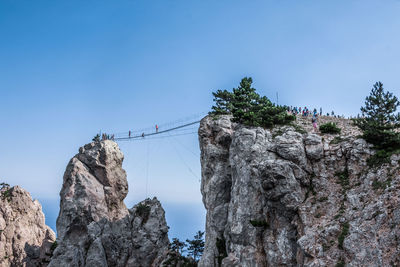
143 135
320 111
129 133
156 128
112 137
314 122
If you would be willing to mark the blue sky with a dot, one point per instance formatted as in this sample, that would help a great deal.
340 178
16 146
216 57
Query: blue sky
71 68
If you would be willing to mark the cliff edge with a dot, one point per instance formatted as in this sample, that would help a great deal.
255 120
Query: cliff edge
284 197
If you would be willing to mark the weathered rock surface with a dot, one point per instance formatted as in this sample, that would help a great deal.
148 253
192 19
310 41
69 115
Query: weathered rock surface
25 239
94 226
283 198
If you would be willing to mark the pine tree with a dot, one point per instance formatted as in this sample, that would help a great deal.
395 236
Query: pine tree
379 121
223 102
248 107
177 246
244 106
196 246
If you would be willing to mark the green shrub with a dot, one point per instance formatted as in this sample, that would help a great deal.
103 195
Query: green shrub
381 157
340 263
143 211
298 128
338 140
5 193
381 185
343 178
322 199
330 128
259 223
343 234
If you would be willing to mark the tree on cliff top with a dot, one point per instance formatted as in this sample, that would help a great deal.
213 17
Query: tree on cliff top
248 107
379 121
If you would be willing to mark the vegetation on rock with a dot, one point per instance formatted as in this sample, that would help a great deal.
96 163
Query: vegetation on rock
96 138
248 107
193 248
143 211
259 223
5 194
330 128
343 234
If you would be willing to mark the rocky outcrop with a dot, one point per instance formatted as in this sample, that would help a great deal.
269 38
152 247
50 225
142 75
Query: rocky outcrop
25 239
94 226
285 197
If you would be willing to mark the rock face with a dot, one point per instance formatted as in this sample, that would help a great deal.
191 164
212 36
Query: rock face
283 198
25 239
94 226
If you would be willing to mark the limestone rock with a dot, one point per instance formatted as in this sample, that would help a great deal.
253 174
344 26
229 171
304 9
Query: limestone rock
284 197
25 239
95 228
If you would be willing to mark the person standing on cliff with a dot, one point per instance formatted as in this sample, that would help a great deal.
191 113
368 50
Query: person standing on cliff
314 122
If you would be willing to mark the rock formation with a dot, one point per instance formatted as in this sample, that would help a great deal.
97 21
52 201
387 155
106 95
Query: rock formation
284 197
25 239
94 226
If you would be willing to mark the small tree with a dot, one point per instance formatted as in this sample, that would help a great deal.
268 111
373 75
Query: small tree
177 246
196 246
379 120
4 185
96 138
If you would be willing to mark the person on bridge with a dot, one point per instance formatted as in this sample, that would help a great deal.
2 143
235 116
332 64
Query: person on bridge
156 128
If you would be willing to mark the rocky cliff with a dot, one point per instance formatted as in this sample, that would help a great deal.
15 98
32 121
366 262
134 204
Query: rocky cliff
94 226
25 239
288 197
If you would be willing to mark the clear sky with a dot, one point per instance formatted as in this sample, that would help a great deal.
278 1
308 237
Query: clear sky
71 68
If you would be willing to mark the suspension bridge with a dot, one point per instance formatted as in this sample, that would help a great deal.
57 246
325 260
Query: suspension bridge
145 154
177 128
